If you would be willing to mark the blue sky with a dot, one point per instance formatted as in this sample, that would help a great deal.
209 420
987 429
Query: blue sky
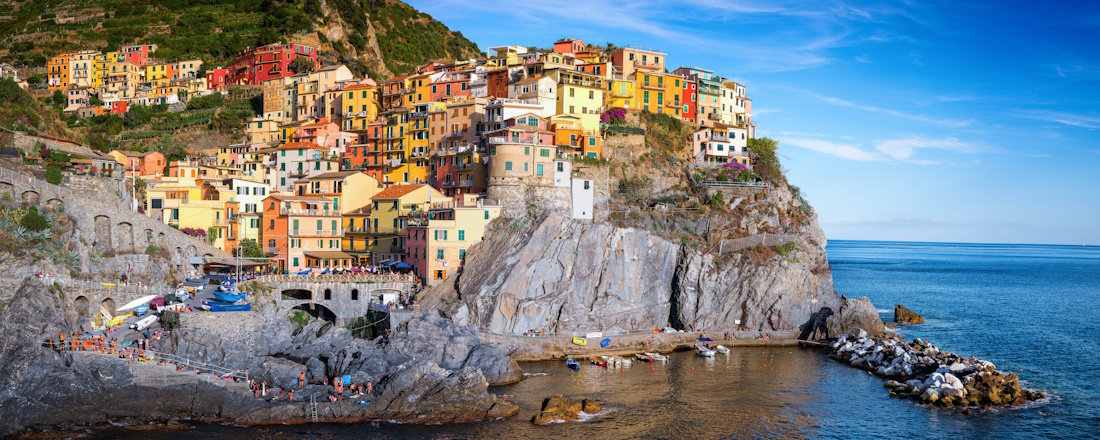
908 120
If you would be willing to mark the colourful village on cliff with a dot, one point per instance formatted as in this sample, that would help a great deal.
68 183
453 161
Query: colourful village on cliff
342 172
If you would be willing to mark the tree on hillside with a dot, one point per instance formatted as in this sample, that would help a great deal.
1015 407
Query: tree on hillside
58 97
301 65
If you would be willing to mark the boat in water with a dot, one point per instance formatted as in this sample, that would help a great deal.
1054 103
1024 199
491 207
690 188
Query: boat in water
657 357
597 361
702 350
722 349
572 364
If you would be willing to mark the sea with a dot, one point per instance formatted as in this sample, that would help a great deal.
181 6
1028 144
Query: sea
1029 309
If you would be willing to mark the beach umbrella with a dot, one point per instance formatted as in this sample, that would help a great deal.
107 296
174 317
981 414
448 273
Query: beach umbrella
402 266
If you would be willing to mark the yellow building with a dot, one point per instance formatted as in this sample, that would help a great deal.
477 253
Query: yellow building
406 156
580 95
357 235
507 56
659 93
360 102
621 93
82 68
390 210
439 235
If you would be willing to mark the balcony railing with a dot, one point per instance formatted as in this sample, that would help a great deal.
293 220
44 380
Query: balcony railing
309 212
465 183
528 140
271 250
318 233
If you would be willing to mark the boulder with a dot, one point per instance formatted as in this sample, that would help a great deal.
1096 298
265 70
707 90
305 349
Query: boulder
855 314
558 409
903 315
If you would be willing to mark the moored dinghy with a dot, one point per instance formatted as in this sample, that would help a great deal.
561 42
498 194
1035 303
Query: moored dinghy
722 349
702 350
572 364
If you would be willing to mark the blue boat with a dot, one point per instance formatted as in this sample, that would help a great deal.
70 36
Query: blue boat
225 307
141 310
572 364
228 297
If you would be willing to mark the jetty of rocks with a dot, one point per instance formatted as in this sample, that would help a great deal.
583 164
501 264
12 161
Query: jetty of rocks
920 371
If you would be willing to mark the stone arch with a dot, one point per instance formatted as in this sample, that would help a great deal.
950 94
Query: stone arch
30 197
149 237
355 294
82 306
207 255
102 233
55 204
108 305
317 311
191 251
302 294
125 236
161 241
7 188
328 294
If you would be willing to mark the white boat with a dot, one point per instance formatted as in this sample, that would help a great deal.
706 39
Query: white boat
722 349
702 350
622 360
144 323
657 357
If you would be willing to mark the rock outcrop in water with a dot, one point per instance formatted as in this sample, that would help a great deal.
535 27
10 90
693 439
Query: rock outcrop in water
429 372
903 315
559 409
922 372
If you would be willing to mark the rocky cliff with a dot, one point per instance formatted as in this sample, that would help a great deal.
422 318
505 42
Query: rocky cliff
572 277
429 372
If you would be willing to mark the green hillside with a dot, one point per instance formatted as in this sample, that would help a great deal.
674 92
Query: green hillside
215 31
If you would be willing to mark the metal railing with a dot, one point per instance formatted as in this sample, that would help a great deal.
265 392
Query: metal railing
350 278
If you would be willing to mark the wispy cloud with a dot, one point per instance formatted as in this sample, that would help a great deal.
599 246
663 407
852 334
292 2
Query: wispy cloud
943 122
1071 119
892 150
843 151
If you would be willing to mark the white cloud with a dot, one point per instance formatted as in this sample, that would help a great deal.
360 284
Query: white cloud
1071 119
843 151
892 150
891 112
903 149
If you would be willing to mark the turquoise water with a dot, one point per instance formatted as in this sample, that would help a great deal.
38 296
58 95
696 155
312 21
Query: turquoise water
1028 309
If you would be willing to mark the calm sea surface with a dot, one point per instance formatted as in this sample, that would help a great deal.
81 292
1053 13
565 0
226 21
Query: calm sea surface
1028 309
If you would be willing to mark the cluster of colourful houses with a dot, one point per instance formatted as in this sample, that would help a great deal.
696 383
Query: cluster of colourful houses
341 171
133 76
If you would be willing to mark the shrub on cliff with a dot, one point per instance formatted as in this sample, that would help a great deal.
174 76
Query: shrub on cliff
34 221
53 174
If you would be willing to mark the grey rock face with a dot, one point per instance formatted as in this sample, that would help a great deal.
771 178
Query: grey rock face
572 277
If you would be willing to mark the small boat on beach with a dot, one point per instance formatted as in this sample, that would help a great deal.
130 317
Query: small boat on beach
228 296
702 350
580 341
572 364
225 307
722 349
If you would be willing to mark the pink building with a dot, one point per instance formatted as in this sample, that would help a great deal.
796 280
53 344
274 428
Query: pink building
450 84
137 55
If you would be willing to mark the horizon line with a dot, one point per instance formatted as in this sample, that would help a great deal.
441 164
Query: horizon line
964 242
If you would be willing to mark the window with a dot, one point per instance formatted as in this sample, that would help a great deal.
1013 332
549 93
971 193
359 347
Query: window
571 92
526 151
591 94
461 235
296 261
561 168
645 97
544 152
587 184
538 169
660 98
486 214
271 225
462 254
439 254
444 235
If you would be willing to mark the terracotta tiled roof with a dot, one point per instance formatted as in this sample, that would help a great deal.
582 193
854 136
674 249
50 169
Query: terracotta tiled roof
301 145
397 191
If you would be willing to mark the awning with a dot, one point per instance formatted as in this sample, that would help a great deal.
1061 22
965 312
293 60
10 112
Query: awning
328 255
401 265
232 262
385 263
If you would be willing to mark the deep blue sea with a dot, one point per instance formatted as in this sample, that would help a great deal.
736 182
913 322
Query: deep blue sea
1028 309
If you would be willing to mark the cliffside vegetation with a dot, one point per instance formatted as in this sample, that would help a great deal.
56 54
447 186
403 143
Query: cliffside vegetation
215 31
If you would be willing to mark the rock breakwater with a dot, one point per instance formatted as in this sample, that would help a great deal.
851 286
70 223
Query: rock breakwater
921 371
560 409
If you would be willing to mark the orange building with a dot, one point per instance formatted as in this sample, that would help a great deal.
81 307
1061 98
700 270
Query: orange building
57 70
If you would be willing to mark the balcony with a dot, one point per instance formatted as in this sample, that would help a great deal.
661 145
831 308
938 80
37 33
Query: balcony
447 184
271 251
465 183
396 147
720 138
621 94
302 212
318 233
356 230
526 140
419 115
386 231
714 116
674 104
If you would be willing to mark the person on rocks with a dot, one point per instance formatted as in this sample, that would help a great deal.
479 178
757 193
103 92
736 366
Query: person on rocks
301 380
331 398
370 387
264 391
290 396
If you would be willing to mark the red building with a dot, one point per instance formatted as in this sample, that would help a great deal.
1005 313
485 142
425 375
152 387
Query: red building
137 55
451 84
216 79
497 81
267 62
119 107
569 45
690 96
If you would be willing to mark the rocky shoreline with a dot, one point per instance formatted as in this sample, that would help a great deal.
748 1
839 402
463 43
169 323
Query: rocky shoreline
920 371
